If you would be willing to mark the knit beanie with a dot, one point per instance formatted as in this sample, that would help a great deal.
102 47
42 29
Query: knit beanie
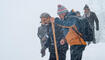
45 15
86 7
61 9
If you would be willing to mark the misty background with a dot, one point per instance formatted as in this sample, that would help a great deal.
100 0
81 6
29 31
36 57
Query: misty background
20 19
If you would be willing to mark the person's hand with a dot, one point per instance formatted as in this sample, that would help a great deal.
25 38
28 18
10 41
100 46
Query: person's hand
42 52
88 43
52 19
44 38
97 29
94 42
62 42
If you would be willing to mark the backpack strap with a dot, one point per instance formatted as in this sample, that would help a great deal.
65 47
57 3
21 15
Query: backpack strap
69 27
72 28
63 26
77 32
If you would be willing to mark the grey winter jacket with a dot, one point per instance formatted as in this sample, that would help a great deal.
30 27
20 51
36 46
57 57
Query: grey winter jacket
43 33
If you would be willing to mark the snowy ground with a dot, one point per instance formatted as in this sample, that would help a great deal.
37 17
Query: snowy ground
94 52
19 20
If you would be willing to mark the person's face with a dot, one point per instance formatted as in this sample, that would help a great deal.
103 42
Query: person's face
78 14
62 16
86 10
45 20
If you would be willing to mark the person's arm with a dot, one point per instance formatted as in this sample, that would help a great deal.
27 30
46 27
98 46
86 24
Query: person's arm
97 22
39 34
47 43
63 40
77 23
49 37
57 21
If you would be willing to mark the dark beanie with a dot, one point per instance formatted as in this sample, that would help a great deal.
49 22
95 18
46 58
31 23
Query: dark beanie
45 15
77 12
86 7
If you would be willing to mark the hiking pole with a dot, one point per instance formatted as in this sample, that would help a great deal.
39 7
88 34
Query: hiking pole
55 44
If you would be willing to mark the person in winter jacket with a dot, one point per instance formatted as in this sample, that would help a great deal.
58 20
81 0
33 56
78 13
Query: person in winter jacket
78 14
43 32
62 47
87 30
91 16
72 13
69 23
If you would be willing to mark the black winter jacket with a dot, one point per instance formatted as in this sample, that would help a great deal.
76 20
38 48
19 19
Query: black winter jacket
91 18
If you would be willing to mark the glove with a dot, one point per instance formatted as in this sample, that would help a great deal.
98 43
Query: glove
89 43
52 19
94 42
44 38
62 42
43 52
97 29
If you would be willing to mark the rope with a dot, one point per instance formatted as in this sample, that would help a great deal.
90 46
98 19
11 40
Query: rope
64 26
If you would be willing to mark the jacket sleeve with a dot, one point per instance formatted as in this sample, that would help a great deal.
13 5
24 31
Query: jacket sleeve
49 38
64 23
47 43
59 32
58 21
39 34
78 25
97 21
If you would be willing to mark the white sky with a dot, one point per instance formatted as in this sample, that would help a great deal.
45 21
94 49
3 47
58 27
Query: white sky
19 20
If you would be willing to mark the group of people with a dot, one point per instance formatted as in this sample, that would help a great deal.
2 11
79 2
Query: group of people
68 32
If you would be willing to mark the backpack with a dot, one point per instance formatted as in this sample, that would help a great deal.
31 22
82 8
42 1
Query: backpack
73 37
87 32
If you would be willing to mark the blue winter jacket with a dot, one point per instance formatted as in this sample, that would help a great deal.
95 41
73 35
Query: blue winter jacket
69 20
